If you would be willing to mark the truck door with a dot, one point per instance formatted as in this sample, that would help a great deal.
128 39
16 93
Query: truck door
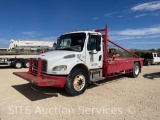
93 55
158 57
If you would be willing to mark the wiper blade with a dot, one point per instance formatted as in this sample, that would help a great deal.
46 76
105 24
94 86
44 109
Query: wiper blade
71 49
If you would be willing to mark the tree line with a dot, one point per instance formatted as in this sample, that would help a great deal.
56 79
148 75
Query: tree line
139 52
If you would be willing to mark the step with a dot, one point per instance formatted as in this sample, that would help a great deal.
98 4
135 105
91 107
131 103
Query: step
97 79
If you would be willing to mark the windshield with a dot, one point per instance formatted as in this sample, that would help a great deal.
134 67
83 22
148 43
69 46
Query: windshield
73 42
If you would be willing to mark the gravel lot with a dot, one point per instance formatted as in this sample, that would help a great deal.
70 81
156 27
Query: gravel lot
119 98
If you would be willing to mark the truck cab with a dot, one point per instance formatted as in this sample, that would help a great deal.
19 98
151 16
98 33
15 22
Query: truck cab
156 58
82 48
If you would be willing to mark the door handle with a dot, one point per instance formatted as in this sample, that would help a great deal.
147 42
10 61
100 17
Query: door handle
100 57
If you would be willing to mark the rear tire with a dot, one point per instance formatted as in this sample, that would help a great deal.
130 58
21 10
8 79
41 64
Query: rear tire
18 65
26 64
148 63
136 70
77 82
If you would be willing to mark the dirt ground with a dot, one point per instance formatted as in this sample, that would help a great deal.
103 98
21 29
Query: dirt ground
119 98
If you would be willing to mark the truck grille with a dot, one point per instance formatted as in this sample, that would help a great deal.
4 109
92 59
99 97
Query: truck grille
43 68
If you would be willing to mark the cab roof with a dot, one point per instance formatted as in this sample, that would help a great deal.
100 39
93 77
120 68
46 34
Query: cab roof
92 32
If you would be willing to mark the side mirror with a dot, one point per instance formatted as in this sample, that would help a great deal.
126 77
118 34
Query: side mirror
92 47
98 48
98 41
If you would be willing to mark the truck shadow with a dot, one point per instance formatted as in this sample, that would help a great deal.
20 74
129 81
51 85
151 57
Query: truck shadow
10 67
34 93
6 67
152 75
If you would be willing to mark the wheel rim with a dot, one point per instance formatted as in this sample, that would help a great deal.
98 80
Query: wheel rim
136 69
18 65
79 82
149 62
27 64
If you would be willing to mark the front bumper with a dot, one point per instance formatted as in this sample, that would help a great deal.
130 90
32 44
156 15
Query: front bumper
43 79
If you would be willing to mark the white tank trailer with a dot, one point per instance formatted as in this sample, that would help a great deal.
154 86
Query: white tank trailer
18 44
19 61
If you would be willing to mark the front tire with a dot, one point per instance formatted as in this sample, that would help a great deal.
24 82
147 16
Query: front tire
77 82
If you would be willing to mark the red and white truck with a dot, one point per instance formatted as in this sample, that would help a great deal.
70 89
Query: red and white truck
80 58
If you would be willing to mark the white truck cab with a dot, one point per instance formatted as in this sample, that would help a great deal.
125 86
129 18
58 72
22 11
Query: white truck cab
156 58
75 48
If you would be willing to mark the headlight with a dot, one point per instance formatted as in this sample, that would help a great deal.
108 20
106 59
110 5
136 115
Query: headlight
69 56
60 68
